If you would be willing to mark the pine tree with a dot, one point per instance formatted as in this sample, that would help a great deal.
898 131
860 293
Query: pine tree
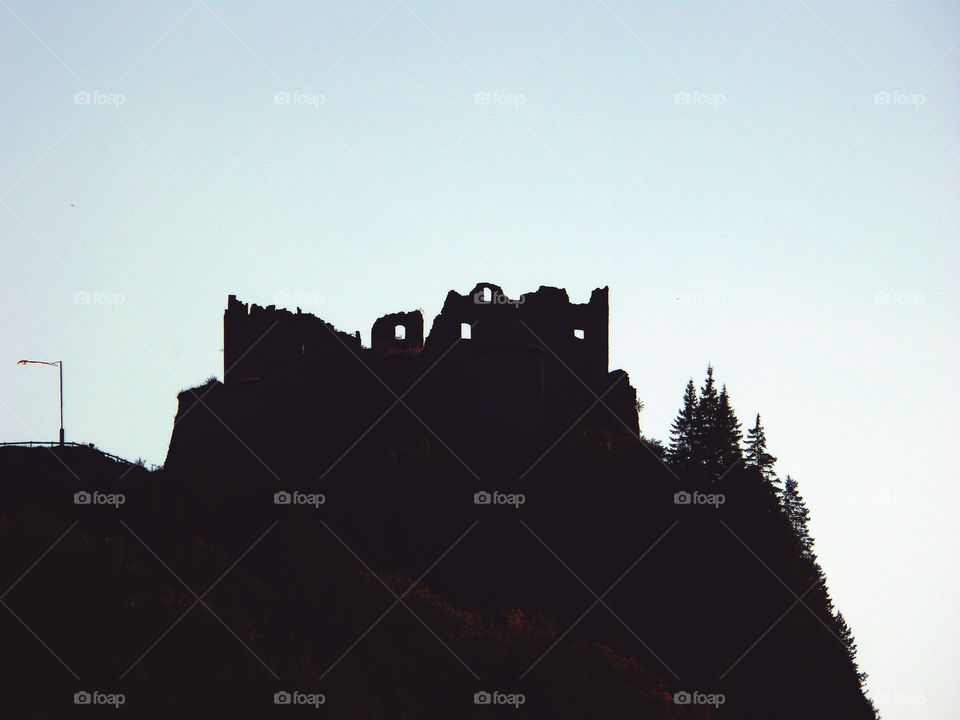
680 452
798 516
757 455
717 435
728 435
844 632
706 425
818 601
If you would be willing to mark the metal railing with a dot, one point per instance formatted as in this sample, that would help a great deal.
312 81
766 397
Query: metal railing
89 446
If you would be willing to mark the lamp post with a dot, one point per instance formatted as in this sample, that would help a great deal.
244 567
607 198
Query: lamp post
58 363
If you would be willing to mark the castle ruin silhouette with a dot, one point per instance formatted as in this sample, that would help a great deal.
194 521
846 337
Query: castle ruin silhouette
490 366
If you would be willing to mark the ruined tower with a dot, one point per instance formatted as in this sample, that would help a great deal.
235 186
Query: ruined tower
491 366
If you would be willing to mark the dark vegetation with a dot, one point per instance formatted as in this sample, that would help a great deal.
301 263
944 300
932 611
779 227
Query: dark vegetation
693 597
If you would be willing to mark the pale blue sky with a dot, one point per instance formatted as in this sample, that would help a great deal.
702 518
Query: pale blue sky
787 224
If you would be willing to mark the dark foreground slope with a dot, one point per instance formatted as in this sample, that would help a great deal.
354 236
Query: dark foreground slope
400 597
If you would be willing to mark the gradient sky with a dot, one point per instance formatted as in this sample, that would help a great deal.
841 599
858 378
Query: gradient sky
771 187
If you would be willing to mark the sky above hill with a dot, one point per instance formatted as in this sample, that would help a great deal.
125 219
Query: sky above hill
771 187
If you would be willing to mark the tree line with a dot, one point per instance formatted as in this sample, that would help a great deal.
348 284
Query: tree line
707 443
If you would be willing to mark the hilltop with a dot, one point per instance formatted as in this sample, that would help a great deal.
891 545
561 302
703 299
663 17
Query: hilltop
578 571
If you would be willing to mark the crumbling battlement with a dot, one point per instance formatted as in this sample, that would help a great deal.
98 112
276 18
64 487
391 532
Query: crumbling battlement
492 366
267 344
546 320
263 342
402 331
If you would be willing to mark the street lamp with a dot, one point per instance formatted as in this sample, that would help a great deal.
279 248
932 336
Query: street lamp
59 363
